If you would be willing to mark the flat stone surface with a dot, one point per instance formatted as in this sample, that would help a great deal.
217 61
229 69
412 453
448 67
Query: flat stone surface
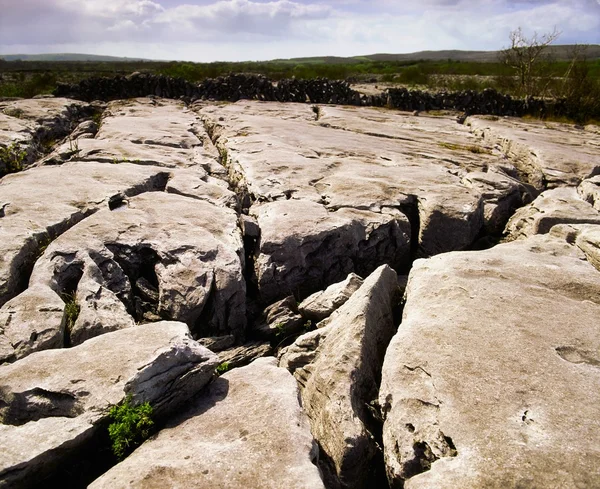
24 122
293 168
51 403
496 352
547 154
246 430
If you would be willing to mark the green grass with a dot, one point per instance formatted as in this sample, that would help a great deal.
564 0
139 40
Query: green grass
224 367
72 310
12 158
130 426
470 148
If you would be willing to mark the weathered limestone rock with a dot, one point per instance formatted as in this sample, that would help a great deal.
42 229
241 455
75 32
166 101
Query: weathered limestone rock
217 343
31 322
343 378
557 206
148 242
304 247
198 185
239 356
588 241
52 402
145 132
42 203
547 154
246 430
589 190
321 304
280 320
306 178
496 352
25 123
501 196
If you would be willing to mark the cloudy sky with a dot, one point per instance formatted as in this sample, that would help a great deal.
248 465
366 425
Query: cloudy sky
209 30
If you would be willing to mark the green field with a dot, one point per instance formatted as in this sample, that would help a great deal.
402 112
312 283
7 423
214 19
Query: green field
32 77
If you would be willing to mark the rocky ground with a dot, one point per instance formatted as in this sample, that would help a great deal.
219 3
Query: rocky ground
307 296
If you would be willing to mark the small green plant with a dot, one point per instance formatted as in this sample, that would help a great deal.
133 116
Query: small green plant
74 146
224 367
12 158
130 426
14 112
97 118
71 311
223 155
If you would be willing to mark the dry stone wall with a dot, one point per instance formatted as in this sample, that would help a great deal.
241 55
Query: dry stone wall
317 91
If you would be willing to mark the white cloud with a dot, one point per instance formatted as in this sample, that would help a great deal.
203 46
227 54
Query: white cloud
264 29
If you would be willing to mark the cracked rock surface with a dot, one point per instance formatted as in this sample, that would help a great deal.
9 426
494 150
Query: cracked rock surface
246 430
251 223
52 402
495 354
351 181
340 378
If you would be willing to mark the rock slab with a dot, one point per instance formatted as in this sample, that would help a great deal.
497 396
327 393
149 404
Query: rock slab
493 378
53 402
246 430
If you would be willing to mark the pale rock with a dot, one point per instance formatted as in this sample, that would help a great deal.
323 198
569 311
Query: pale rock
246 429
557 206
239 356
280 320
321 304
36 212
589 190
546 154
53 403
198 274
30 322
342 378
304 247
496 352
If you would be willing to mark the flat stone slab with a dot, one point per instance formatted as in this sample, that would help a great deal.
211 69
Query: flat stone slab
246 430
292 167
493 378
548 154
24 122
562 205
191 250
53 402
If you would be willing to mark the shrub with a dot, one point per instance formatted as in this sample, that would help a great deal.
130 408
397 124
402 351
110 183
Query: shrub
130 427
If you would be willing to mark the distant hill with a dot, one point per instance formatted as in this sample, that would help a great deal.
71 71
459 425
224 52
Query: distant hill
558 52
66 57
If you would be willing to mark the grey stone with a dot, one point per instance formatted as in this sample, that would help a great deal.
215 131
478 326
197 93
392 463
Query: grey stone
246 430
52 403
320 305
342 378
496 351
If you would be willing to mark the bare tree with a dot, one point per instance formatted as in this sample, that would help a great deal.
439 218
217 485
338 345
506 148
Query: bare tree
525 55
